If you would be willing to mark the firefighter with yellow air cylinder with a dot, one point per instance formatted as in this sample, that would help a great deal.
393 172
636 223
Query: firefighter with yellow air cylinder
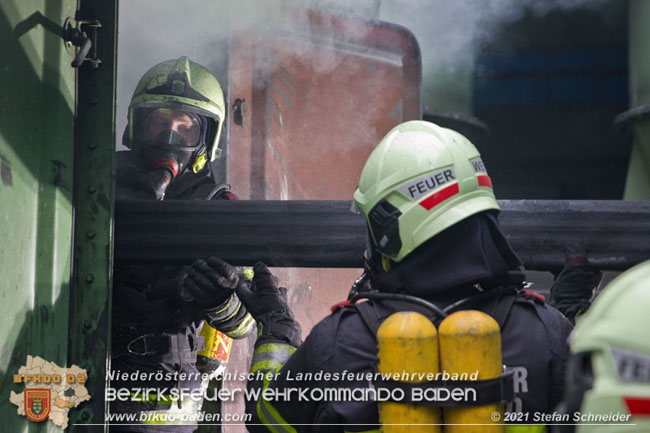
434 251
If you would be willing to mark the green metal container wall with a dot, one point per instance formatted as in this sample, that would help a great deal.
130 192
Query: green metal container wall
90 297
637 186
57 149
36 166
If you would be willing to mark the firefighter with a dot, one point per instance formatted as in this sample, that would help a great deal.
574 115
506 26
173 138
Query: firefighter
608 373
432 234
172 323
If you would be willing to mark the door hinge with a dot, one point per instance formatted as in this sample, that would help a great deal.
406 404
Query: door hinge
83 34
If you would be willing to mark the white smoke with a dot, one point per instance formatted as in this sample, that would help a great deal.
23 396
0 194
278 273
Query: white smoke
448 32
151 31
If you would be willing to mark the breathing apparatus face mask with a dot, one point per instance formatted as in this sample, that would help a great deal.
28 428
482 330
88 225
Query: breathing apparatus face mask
169 140
370 268
374 263
382 222
169 128
369 254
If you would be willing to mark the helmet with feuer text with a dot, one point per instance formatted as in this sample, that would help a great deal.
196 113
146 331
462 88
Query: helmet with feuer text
420 180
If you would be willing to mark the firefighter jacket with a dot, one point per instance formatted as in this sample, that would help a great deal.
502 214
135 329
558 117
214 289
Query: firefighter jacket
471 256
158 335
341 352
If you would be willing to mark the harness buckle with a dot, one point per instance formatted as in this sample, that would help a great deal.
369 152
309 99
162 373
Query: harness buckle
145 346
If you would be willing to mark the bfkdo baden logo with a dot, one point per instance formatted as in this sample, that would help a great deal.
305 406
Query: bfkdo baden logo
37 404
50 391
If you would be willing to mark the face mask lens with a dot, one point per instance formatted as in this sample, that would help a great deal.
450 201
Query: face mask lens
165 126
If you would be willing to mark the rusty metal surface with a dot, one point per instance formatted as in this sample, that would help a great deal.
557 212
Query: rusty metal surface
315 99
317 104
616 234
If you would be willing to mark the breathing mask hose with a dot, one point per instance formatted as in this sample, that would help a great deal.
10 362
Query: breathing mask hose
162 173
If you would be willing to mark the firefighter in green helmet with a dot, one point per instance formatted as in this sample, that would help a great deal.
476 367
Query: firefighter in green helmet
174 324
608 373
175 120
432 236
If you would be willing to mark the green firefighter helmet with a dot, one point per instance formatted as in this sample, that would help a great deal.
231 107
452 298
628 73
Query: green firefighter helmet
418 181
180 85
609 368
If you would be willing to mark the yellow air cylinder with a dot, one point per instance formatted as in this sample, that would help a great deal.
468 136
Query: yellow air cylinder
470 341
408 343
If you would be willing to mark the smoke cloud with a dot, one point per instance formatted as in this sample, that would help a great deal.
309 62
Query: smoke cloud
151 31
448 33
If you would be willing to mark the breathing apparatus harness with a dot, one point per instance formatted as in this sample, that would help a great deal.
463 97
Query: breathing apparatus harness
381 305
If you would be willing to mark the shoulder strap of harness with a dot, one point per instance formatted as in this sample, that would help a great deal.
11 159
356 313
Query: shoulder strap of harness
369 316
374 313
503 308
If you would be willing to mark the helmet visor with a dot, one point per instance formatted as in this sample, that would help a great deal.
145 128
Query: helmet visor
169 127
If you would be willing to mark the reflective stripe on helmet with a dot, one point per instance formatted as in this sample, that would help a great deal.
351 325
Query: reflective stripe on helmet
436 198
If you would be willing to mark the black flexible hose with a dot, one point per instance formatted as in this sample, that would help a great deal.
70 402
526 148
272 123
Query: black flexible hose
479 297
401 297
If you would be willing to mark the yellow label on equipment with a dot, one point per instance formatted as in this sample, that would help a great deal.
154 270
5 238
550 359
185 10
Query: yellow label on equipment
217 344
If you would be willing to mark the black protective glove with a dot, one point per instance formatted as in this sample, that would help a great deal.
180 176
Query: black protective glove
574 286
267 303
208 283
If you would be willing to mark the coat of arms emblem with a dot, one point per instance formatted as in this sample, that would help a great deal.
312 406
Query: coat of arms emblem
37 404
